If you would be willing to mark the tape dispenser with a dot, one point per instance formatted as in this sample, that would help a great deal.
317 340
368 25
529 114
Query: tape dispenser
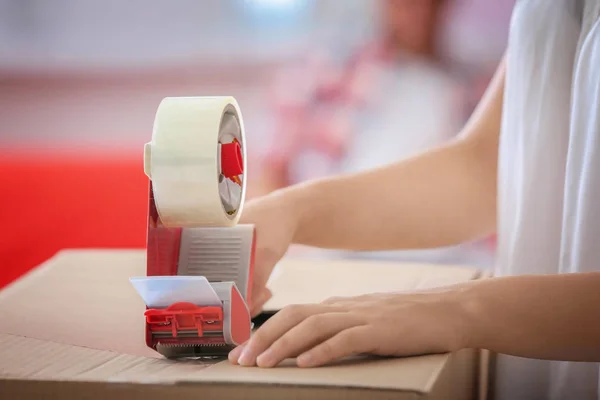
199 258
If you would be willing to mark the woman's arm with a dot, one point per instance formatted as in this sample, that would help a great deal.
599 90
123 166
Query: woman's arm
442 197
541 316
545 317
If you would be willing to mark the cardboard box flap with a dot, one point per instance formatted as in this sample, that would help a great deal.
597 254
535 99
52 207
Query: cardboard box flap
78 318
27 358
33 359
81 298
297 281
84 298
414 374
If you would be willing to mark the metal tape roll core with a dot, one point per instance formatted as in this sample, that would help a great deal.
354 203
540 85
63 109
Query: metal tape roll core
230 191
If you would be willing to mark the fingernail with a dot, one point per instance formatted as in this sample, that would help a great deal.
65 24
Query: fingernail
234 354
265 360
305 360
246 358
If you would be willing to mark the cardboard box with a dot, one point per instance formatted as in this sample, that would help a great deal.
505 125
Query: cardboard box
74 328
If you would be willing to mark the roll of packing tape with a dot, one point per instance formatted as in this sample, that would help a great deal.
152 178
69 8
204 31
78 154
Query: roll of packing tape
197 161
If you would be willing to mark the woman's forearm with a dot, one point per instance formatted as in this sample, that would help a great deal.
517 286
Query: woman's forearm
439 198
543 316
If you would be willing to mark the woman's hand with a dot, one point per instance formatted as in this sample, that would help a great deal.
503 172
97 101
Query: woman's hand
399 324
275 221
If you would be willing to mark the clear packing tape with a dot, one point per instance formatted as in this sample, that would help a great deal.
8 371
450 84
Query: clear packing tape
197 161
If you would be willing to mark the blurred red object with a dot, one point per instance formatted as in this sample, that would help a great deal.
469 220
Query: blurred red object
63 201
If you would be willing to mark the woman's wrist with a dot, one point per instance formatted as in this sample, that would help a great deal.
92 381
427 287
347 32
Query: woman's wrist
471 316
298 202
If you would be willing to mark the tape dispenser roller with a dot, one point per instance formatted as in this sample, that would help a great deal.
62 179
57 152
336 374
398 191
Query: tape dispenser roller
199 258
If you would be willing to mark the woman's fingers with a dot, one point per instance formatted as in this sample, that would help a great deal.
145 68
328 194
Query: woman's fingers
274 328
308 333
234 354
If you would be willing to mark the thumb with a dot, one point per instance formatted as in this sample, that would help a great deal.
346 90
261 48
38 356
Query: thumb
258 302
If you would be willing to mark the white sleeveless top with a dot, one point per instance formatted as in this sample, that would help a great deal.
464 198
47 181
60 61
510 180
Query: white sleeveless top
549 172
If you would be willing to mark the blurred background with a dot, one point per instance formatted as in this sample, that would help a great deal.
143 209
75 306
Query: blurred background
325 86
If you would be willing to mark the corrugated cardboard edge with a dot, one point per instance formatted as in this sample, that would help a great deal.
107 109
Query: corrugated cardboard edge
385 374
118 375
101 390
65 362
115 374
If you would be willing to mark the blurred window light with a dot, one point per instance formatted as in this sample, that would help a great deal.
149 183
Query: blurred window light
275 4
284 16
276 8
